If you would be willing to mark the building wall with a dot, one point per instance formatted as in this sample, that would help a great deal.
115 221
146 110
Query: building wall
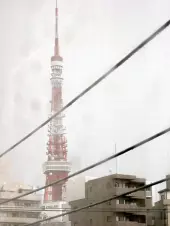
23 211
161 213
127 211
161 209
76 188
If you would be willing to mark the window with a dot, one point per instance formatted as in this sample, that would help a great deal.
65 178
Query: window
3 215
27 204
120 218
162 213
90 189
127 185
49 197
123 185
31 215
18 204
116 184
50 188
153 220
148 189
162 197
127 201
75 223
109 203
15 215
109 219
120 201
91 221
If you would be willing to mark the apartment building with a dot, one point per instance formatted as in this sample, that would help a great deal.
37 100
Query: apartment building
18 212
131 210
161 209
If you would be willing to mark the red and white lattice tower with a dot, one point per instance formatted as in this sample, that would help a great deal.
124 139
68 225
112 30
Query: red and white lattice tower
56 166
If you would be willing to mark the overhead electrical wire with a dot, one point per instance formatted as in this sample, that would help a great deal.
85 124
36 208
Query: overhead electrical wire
100 79
100 202
91 166
36 210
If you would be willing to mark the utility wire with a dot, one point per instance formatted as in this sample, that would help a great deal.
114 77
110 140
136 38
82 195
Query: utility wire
100 79
135 209
100 202
91 166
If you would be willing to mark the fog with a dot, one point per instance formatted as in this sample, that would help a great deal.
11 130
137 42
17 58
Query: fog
130 105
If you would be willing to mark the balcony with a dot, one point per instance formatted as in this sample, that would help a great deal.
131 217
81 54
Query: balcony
138 194
128 208
22 208
56 166
129 223
17 220
31 197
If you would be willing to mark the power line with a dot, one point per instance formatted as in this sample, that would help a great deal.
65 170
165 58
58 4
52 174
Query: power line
116 66
91 166
135 209
101 202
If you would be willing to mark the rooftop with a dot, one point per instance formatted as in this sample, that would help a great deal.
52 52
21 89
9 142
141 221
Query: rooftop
14 187
10 190
121 177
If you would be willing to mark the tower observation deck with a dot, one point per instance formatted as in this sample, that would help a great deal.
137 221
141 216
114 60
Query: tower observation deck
56 167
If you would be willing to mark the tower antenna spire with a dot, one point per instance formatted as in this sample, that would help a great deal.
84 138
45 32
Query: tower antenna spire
56 48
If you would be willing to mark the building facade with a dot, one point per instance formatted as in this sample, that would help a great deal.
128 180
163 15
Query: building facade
76 187
19 212
131 210
161 209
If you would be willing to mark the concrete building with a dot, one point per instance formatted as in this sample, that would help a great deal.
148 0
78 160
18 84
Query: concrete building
76 187
75 190
131 210
18 212
161 209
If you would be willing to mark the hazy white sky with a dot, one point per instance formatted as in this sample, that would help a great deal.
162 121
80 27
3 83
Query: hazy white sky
130 105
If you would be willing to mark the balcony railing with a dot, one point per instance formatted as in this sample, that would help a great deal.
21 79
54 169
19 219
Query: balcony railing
20 208
137 194
17 220
33 197
139 210
129 223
